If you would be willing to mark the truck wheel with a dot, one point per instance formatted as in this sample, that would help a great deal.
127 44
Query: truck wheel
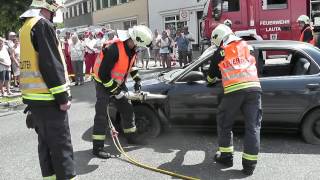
311 127
147 121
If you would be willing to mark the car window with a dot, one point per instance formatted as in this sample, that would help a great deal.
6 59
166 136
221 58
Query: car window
283 63
202 67
274 4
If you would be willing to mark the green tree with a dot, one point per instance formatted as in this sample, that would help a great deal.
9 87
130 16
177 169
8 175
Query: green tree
10 10
59 25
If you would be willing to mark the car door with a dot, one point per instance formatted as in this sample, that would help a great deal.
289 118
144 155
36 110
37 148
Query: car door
286 97
193 103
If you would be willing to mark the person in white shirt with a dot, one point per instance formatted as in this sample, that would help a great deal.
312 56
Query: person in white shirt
156 48
5 68
165 43
77 57
11 37
91 53
99 42
190 38
15 56
144 54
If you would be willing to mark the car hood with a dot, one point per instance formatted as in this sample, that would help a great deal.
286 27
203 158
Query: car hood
157 86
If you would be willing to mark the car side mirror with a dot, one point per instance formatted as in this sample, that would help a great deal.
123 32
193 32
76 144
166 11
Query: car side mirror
193 76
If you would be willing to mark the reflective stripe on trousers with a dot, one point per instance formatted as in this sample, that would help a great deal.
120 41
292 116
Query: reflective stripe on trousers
53 177
99 137
226 149
130 130
250 157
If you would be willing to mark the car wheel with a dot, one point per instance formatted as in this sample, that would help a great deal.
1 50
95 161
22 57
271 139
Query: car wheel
311 128
147 121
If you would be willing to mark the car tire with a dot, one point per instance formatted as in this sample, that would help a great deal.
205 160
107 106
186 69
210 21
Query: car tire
311 127
147 121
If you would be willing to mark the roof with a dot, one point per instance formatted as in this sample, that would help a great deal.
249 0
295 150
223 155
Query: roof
309 49
280 44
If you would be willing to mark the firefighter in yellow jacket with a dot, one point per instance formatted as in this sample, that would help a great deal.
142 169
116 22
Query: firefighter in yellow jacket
45 90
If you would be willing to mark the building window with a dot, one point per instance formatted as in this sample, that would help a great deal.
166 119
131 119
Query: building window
274 4
129 24
113 2
85 7
123 1
105 3
231 5
98 5
173 23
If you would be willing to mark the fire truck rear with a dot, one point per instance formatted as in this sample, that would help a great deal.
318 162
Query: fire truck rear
271 19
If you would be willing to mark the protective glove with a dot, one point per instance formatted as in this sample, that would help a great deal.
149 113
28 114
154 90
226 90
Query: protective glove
211 81
137 86
120 95
29 121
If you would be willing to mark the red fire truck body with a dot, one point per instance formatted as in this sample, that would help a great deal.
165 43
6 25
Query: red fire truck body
272 19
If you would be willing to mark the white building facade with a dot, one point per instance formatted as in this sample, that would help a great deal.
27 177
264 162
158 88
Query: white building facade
174 14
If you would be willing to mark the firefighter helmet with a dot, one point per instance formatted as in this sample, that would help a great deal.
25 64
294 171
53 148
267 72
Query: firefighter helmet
227 22
304 18
50 5
141 35
220 34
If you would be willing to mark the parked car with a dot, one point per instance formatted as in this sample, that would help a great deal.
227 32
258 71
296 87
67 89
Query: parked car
289 72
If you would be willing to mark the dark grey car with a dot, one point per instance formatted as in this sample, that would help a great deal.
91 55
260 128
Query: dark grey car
290 79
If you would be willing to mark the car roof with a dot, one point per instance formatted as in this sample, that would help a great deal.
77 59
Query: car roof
309 49
278 44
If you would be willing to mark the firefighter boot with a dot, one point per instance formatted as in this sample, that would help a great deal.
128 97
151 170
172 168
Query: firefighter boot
226 159
134 138
248 167
100 153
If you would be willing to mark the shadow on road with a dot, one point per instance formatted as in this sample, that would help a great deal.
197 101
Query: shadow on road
188 145
83 158
205 171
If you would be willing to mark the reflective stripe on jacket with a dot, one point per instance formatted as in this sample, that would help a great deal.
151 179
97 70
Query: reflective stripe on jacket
302 36
238 68
120 70
32 84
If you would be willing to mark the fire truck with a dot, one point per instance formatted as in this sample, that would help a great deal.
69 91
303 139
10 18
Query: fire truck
271 19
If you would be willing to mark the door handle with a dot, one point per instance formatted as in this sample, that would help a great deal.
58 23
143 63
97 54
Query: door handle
313 86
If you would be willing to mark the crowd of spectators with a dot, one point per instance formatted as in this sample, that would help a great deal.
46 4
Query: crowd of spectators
81 50
9 64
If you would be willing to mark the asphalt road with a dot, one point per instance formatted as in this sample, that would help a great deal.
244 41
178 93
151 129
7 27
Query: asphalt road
283 156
